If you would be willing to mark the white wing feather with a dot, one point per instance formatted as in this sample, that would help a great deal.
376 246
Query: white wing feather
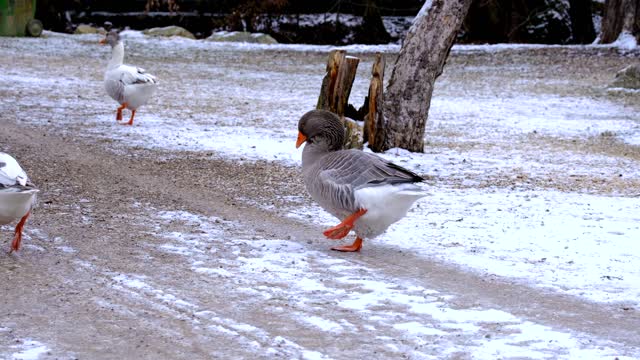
10 172
130 75
130 84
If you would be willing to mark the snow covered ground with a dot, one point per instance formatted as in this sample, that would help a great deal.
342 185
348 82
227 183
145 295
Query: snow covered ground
429 320
578 240
533 167
25 349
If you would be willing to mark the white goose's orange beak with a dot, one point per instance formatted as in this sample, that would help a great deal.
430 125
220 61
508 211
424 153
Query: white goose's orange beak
103 41
301 140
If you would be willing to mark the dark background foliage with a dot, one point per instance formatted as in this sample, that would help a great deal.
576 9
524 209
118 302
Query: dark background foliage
488 21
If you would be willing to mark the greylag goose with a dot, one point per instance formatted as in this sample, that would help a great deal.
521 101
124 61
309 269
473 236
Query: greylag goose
130 86
364 191
17 196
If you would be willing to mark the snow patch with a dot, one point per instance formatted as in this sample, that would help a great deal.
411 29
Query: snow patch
131 34
131 282
416 329
28 350
323 324
424 10
626 40
574 243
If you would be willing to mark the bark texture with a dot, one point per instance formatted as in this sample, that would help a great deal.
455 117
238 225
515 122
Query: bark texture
335 91
420 62
337 83
374 119
619 16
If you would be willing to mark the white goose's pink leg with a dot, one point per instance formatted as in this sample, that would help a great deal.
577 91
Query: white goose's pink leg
119 111
133 113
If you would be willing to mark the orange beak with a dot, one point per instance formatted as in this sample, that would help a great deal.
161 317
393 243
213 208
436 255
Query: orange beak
103 41
301 140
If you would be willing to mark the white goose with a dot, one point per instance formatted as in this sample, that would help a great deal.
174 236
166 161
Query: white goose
130 86
363 190
17 196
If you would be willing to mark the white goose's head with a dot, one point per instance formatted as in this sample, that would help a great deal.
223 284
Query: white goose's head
112 38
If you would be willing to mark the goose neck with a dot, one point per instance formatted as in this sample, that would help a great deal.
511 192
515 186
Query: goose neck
117 55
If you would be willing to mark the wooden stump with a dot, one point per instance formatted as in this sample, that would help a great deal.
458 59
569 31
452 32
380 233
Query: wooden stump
336 58
353 138
335 91
346 76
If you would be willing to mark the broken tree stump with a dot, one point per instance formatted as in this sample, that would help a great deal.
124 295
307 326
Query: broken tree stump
335 91
337 83
336 57
374 119
346 76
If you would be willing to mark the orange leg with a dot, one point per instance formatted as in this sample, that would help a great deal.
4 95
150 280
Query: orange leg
133 113
356 246
15 245
119 112
341 230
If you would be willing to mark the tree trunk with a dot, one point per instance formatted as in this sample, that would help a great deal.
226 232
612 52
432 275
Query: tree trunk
372 30
374 120
518 18
620 16
420 62
581 22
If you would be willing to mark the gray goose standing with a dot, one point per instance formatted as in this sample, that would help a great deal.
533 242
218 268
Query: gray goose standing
130 86
363 190
17 196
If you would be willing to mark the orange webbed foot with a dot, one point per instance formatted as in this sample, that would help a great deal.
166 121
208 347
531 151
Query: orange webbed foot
133 113
355 247
337 232
341 230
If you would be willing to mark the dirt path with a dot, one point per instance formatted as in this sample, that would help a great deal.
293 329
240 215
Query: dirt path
115 265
